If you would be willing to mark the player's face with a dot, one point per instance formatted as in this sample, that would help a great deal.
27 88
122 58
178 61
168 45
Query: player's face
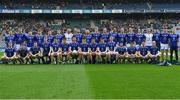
104 30
68 31
154 44
93 41
30 33
49 32
10 45
121 44
102 40
35 44
132 44
87 31
84 41
74 39
143 44
111 38
55 40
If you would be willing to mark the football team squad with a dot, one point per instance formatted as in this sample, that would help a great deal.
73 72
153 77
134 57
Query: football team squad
93 47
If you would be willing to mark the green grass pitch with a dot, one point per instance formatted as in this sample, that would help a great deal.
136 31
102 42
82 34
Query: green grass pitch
124 81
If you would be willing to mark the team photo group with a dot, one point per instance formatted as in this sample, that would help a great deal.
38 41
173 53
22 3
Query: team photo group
105 46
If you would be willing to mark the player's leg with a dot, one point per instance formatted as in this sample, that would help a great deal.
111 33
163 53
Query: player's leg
52 57
89 57
171 54
117 57
80 57
108 57
59 57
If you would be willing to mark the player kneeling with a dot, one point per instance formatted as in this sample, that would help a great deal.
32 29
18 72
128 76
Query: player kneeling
9 55
154 53
131 53
55 52
35 53
143 53
23 54
120 53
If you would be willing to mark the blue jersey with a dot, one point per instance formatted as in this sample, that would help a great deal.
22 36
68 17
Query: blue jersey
93 47
9 38
34 50
10 52
121 38
19 38
23 52
30 40
156 37
121 50
105 36
131 50
154 50
39 40
88 38
55 47
96 36
59 38
139 38
143 51
130 37
46 48
78 37
64 47
111 45
74 46
50 39
102 47
164 38
174 40
84 47
114 35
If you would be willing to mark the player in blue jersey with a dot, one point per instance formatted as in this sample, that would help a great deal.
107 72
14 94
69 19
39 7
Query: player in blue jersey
105 35
130 37
83 50
19 39
74 50
143 53
121 37
96 35
59 37
156 37
164 39
35 53
139 38
92 50
55 52
78 35
46 52
23 54
102 54
9 55
120 53
154 53
131 53
173 42
88 36
111 46
65 48
50 37
30 39
39 38
114 34
10 38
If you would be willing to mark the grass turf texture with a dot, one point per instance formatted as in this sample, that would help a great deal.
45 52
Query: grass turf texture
89 81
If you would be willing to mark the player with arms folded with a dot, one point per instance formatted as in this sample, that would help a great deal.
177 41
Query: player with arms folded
9 55
131 53
154 53
35 53
143 53
23 54
120 53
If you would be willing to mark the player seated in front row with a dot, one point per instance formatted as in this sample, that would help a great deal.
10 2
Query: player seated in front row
55 52
120 53
23 54
35 53
142 54
9 55
131 53
154 53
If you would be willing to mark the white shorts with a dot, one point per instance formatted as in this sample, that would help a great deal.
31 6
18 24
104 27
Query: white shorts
65 53
28 48
128 45
74 51
84 53
164 46
17 46
112 52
